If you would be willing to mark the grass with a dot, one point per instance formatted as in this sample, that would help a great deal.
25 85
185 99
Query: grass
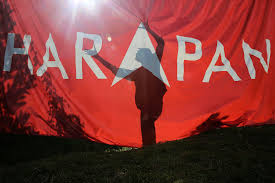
234 155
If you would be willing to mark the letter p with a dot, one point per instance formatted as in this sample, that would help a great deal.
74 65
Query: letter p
182 55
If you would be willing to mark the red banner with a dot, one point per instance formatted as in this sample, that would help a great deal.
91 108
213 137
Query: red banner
135 72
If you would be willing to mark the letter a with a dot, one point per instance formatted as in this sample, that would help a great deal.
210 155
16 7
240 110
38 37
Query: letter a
146 57
214 68
57 63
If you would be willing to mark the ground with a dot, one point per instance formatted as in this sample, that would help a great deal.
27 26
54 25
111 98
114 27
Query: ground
234 155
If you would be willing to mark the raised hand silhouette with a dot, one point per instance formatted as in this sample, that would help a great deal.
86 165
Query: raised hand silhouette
150 90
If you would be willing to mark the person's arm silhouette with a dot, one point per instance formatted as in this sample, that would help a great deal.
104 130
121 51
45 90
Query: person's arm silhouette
159 40
113 68
108 65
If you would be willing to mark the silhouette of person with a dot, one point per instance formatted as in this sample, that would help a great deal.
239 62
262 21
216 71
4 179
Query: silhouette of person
149 89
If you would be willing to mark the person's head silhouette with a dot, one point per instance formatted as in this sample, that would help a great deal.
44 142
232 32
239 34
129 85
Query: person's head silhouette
143 55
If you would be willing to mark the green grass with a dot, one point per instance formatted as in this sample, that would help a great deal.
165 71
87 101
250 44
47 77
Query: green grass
225 155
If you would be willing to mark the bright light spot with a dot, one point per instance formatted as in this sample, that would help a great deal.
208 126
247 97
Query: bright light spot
88 4
109 38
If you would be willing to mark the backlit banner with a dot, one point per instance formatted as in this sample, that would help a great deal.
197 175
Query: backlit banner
135 72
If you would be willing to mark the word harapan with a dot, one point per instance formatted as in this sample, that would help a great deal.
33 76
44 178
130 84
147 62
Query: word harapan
141 34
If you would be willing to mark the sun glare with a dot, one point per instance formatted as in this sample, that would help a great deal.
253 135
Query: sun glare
87 4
